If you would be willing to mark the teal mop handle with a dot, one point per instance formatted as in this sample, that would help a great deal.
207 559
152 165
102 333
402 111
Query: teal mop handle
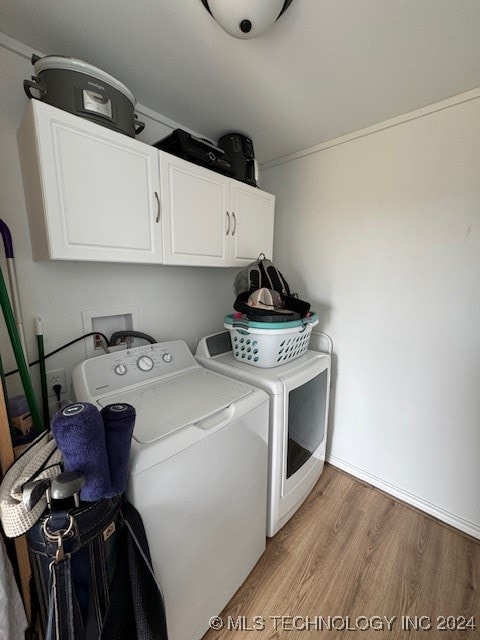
19 356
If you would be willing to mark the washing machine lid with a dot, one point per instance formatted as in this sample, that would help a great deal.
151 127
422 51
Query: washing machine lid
167 405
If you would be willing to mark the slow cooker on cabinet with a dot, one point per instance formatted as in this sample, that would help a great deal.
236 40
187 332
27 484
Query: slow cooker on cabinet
84 90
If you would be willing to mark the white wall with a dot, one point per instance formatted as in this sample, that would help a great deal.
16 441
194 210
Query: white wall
382 233
173 302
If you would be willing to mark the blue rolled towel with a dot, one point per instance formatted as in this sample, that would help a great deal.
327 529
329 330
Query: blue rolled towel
119 420
80 435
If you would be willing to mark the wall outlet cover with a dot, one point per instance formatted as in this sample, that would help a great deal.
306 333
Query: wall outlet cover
56 377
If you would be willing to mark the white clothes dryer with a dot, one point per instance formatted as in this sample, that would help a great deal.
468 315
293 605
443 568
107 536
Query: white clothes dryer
299 393
198 472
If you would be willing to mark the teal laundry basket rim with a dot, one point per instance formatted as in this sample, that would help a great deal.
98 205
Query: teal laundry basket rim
278 326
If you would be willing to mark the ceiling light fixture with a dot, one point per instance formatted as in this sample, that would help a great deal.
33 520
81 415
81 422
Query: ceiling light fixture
246 18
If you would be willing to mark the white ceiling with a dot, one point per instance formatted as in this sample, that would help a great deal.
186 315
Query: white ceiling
326 68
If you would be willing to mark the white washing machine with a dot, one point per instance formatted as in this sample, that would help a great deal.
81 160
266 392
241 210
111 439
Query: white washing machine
299 393
198 472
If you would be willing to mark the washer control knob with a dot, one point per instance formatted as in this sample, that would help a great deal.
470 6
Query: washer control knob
145 363
120 369
167 357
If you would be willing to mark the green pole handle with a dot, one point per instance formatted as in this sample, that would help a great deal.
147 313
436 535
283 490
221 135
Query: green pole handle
19 356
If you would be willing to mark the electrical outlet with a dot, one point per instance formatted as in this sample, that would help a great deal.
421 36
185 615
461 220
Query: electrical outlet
56 377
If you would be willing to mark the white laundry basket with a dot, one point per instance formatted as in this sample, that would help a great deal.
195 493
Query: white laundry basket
269 344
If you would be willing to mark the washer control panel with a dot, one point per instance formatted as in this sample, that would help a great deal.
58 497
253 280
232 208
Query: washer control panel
111 372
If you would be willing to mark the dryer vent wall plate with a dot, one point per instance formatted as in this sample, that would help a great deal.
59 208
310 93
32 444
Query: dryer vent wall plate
246 19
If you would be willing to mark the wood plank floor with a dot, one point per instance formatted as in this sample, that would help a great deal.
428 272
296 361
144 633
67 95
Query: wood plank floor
351 557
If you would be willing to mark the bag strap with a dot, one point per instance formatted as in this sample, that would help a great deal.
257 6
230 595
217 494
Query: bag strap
30 633
147 562
64 617
271 278
137 608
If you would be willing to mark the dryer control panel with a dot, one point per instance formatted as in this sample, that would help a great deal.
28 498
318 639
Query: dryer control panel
111 372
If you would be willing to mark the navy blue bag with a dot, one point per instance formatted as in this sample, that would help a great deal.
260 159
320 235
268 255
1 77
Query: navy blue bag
93 575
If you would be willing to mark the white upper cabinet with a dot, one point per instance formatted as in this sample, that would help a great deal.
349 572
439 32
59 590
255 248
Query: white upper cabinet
96 194
212 220
194 205
92 193
252 214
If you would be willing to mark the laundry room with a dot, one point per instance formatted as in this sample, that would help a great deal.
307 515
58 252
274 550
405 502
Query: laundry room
326 153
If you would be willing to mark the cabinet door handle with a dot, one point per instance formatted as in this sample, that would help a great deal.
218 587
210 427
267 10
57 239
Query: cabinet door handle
157 219
228 228
234 223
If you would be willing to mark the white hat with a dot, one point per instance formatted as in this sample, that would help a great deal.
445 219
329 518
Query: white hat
266 299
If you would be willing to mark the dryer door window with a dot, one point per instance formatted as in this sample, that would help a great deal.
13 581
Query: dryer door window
306 421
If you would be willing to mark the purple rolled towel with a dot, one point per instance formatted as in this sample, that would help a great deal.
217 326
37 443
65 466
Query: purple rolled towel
80 435
119 420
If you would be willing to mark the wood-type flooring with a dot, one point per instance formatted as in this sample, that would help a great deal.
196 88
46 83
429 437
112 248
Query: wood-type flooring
355 563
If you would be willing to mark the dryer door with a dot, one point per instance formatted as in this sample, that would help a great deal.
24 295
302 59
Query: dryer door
306 421
305 413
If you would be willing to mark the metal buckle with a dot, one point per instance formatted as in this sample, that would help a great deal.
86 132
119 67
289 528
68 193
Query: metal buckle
58 536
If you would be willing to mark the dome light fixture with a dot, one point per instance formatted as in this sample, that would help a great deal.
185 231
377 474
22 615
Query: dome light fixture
246 18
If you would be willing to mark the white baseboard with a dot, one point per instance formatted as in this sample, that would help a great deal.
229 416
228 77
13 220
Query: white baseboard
405 496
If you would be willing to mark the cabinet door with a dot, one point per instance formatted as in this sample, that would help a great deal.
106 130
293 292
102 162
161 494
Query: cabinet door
99 189
194 210
252 213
